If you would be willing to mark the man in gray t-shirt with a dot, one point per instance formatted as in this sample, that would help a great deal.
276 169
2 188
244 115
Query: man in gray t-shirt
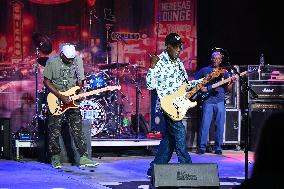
61 73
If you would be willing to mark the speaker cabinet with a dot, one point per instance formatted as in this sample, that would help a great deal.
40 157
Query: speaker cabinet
199 175
232 132
5 139
259 112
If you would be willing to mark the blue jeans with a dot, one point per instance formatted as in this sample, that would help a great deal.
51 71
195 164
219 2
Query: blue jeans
174 137
208 112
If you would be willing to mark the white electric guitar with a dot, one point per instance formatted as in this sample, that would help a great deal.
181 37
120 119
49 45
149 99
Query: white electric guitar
57 107
177 104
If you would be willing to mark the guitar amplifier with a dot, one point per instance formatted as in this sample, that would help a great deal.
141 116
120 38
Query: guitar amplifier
267 90
267 72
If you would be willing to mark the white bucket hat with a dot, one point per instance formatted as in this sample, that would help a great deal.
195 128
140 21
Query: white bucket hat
68 50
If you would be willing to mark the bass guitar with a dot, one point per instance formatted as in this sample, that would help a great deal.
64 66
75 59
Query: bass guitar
177 104
222 82
57 107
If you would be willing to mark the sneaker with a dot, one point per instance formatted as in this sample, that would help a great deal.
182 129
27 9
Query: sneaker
200 151
218 152
55 162
149 173
86 162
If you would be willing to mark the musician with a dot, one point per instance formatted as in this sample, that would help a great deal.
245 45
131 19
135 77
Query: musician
166 75
61 73
213 105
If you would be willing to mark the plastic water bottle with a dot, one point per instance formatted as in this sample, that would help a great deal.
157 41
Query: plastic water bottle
261 64
261 59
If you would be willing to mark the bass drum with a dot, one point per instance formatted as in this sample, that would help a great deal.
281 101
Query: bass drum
95 113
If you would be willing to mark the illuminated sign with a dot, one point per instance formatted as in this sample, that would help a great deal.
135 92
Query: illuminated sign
17 27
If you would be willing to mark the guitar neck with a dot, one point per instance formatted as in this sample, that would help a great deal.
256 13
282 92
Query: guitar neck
199 86
215 85
82 95
214 74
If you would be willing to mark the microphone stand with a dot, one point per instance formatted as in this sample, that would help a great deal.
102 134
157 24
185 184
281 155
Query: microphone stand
137 101
117 106
245 89
37 116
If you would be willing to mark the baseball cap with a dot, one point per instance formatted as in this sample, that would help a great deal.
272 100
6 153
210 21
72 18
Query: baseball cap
173 39
68 50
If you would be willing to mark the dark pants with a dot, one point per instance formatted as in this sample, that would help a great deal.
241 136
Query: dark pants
174 137
73 118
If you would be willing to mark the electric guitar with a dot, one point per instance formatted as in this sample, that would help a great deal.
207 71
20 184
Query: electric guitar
57 107
177 104
222 82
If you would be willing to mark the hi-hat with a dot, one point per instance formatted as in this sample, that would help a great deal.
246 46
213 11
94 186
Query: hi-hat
42 42
42 60
112 65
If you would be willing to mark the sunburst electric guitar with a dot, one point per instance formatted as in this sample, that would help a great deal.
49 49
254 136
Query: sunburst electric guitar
177 104
57 107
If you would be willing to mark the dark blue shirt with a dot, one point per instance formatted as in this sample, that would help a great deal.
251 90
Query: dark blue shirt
214 95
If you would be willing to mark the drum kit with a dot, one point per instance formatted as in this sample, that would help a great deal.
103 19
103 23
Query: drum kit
103 112
106 111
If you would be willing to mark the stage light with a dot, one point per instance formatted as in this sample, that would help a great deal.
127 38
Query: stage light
49 2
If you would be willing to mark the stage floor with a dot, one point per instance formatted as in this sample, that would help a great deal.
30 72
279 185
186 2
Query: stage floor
116 172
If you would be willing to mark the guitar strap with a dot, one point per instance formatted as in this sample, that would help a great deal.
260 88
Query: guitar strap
182 71
77 72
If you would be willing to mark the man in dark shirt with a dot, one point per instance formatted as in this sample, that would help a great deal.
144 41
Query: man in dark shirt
213 104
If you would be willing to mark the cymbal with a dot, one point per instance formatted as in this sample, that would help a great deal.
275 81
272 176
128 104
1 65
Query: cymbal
138 66
112 65
42 42
42 60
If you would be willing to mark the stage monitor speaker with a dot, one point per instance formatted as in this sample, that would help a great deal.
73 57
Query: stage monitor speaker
175 175
5 139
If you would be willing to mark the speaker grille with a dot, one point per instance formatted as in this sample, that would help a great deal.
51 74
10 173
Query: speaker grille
186 175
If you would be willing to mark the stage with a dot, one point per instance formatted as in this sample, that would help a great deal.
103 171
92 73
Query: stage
116 172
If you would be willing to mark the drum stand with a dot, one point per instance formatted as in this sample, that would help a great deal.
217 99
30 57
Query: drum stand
138 93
